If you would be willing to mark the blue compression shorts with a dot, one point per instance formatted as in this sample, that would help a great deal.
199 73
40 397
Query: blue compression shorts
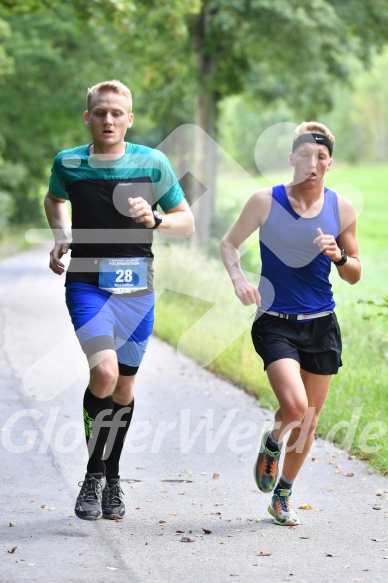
108 321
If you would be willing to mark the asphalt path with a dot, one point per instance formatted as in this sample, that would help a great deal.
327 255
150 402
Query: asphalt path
193 511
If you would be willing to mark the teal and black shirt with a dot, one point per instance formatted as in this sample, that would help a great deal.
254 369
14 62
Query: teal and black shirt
98 190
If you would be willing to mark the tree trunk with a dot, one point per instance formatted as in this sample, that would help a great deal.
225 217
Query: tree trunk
205 163
206 102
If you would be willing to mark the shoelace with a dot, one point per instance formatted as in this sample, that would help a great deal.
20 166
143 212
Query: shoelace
112 494
270 462
91 488
285 503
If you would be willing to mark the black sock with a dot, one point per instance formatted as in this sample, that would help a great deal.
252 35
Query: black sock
97 421
271 444
122 416
284 483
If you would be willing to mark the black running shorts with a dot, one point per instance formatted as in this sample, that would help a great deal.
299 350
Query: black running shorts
315 344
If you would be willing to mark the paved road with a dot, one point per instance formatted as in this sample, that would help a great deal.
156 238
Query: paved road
193 511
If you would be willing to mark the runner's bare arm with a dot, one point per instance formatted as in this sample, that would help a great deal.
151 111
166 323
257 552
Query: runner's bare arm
251 218
351 270
177 221
57 216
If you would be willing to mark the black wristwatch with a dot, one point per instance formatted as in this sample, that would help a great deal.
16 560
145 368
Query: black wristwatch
343 259
158 220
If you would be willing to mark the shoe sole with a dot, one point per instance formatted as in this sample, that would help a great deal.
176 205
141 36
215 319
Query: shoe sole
88 517
287 523
113 516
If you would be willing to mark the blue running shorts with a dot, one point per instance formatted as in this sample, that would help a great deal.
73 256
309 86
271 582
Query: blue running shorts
110 321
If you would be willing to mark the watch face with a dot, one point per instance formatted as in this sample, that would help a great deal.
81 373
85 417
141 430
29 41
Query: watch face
158 219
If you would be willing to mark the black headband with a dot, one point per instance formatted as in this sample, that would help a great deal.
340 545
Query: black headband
312 137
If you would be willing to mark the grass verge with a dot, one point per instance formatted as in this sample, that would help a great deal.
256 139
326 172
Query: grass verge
13 241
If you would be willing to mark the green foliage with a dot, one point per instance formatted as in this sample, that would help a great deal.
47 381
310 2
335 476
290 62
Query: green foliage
5 60
42 101
360 114
179 57
6 208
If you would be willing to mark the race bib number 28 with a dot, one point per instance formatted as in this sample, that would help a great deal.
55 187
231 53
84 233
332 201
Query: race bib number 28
120 275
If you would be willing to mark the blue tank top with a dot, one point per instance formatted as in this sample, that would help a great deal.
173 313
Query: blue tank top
295 274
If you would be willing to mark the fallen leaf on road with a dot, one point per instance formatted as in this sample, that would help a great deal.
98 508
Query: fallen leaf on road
11 524
349 474
263 554
305 507
377 507
234 574
379 492
161 522
186 539
328 555
207 531
216 476
12 550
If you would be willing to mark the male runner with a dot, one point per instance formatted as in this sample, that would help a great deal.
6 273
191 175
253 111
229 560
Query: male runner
113 187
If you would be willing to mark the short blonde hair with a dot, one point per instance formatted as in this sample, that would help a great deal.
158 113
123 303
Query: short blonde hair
113 85
308 127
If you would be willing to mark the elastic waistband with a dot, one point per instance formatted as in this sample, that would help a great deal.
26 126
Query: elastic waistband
297 316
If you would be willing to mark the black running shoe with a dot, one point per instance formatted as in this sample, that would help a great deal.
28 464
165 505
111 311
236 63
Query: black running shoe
88 504
112 503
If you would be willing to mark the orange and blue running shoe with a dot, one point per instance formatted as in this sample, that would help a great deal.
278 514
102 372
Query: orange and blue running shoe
280 509
266 467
